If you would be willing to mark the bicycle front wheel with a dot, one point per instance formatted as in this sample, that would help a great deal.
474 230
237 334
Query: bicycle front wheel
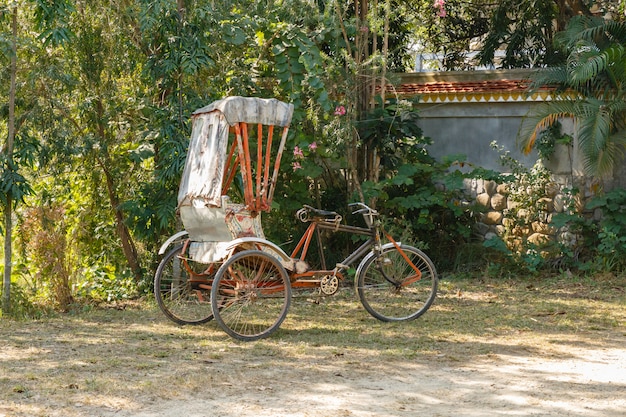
251 295
182 288
397 285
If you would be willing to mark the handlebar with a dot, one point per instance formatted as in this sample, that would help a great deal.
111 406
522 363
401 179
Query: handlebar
367 212
364 209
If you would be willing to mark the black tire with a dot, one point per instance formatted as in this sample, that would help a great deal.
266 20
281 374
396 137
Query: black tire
251 295
181 288
389 288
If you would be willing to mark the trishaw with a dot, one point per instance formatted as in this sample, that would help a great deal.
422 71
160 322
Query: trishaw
222 266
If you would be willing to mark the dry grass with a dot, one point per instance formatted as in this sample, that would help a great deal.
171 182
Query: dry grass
124 357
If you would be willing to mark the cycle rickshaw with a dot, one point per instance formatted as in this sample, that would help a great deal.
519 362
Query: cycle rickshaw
222 266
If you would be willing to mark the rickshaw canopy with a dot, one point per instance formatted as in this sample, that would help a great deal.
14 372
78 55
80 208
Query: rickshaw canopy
230 137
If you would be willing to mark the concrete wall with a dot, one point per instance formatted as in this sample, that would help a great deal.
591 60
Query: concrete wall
470 128
465 111
458 124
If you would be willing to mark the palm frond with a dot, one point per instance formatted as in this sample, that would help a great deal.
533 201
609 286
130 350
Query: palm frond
594 69
551 76
602 163
590 28
540 118
594 130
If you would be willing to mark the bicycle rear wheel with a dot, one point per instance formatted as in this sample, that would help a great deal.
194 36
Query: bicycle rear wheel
251 295
391 289
182 288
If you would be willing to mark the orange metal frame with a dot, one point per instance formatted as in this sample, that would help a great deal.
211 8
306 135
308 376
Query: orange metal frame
308 279
259 179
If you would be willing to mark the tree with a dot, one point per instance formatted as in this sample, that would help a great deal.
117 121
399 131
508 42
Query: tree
9 168
523 30
594 82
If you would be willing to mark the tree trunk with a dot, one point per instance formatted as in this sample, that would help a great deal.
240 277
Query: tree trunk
8 212
128 245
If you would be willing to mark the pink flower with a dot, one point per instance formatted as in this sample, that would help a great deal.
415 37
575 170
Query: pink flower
441 5
296 166
340 111
313 146
297 152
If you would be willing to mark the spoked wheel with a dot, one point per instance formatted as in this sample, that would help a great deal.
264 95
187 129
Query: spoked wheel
182 288
394 288
251 295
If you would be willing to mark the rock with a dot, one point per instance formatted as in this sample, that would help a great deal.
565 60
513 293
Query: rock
538 239
483 199
481 228
511 204
490 236
498 202
552 189
568 239
559 203
522 213
490 187
543 228
598 214
508 222
545 204
492 218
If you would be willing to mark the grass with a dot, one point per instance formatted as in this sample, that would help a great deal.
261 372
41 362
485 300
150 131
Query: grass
117 355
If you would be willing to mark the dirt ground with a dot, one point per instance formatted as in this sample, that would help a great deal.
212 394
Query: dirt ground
132 362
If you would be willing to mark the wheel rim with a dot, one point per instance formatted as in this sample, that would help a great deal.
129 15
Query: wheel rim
182 288
252 295
391 290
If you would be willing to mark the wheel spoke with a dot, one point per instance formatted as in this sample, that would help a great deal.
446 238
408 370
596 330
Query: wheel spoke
391 289
251 295
182 288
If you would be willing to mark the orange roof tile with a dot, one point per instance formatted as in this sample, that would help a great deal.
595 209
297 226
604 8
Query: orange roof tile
492 90
463 87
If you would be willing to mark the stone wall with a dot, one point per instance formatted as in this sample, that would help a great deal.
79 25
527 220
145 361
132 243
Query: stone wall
468 123
499 212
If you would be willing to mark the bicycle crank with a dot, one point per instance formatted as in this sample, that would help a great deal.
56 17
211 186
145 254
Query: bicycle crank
329 284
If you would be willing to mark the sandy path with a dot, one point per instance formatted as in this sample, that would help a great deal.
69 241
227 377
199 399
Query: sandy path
583 382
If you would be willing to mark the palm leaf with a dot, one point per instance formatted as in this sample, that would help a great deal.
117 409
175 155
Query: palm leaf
594 129
540 118
598 70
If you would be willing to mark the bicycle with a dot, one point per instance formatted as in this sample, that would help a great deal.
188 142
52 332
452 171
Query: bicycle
252 290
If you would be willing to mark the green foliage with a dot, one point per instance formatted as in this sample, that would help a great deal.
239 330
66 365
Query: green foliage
551 137
22 305
13 185
505 34
526 194
526 45
103 284
609 236
392 129
52 20
423 197
593 78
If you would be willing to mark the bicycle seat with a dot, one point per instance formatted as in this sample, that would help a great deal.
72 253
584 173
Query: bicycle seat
320 213
308 213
